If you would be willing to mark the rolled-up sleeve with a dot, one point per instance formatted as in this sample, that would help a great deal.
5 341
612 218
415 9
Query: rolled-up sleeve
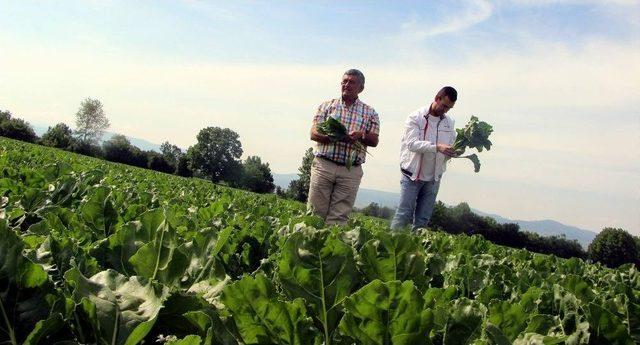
374 123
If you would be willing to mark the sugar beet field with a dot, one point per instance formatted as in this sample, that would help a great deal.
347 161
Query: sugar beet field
93 252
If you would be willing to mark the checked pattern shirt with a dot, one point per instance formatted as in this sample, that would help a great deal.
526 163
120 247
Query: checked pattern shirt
357 117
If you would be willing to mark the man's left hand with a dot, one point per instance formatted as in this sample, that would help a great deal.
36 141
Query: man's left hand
356 135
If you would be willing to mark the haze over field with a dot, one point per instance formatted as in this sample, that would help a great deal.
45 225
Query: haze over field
557 80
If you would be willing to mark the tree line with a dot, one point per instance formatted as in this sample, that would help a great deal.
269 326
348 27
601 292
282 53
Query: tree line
216 157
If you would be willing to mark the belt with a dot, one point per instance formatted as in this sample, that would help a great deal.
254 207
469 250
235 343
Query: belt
338 163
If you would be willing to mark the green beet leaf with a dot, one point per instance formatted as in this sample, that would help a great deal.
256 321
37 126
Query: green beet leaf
188 340
539 339
464 324
318 267
474 135
394 257
204 262
261 318
14 266
43 329
387 313
98 211
161 259
120 310
337 132
606 327
510 318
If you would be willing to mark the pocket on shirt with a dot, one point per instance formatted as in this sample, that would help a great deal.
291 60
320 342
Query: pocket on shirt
447 136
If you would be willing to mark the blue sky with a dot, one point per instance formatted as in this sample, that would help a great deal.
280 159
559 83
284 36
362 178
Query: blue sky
556 78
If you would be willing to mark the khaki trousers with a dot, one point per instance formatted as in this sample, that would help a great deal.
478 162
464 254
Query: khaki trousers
332 190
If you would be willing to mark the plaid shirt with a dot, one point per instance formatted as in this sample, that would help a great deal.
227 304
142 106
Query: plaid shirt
357 117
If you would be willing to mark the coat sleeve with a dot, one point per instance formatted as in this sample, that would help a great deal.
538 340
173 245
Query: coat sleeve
413 133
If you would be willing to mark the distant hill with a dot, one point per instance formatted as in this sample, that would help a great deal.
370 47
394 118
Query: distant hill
545 227
137 142
548 227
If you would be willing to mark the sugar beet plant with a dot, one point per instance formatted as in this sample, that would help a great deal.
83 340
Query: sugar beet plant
475 135
101 253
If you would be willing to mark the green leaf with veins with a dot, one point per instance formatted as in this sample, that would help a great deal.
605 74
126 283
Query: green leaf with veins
387 313
120 310
320 268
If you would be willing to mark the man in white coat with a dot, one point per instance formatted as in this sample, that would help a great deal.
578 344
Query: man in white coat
426 147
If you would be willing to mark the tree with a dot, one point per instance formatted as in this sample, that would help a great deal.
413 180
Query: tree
16 128
5 115
158 162
183 169
86 148
119 149
256 176
216 155
171 153
299 189
281 192
91 121
375 210
60 136
613 247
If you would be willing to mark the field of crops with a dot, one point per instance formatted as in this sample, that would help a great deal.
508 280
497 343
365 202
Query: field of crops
101 253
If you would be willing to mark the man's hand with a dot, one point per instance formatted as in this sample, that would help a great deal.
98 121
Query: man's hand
355 136
445 150
317 137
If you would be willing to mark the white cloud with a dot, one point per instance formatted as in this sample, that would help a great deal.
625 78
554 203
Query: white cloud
472 13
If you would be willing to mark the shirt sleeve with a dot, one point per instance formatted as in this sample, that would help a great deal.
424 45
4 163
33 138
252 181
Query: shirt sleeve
374 123
321 114
412 132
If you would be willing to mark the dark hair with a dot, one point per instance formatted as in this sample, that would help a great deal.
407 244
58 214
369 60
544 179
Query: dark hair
449 92
356 73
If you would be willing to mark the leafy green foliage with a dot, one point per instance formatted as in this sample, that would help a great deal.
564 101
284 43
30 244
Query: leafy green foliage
336 131
318 267
387 313
262 319
216 154
299 189
59 136
119 149
256 176
474 135
117 308
16 128
393 257
614 247
91 121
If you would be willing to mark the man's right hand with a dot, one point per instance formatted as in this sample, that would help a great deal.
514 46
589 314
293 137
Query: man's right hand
445 150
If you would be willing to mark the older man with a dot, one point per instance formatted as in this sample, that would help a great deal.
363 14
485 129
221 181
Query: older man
333 186
426 147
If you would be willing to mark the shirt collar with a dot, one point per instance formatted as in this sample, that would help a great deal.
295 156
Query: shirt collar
354 103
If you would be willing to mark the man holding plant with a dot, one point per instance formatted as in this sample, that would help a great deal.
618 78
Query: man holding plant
426 147
336 170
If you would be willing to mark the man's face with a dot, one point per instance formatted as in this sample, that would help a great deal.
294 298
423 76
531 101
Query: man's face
351 86
443 104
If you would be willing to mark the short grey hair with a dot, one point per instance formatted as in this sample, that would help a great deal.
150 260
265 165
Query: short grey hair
357 74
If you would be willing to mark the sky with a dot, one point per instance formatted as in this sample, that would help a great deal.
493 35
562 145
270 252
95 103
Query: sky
558 80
